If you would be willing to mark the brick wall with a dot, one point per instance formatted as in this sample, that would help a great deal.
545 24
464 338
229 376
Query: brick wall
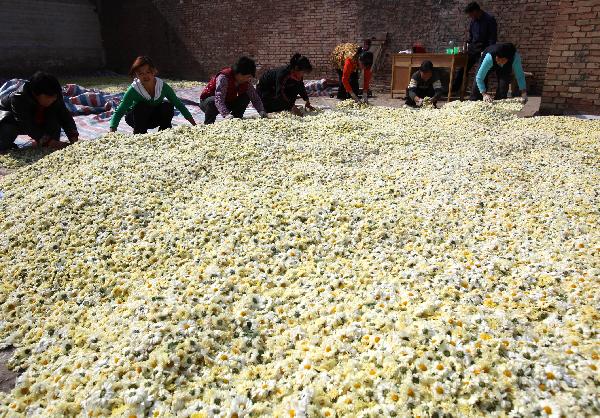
189 39
573 75
434 23
195 38
58 35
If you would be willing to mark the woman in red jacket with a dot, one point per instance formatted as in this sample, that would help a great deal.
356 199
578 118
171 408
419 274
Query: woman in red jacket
230 91
348 60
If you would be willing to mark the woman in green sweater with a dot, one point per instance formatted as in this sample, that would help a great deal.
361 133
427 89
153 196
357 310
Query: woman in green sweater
144 104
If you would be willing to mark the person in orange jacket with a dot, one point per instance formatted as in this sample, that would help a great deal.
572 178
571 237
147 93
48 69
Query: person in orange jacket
348 59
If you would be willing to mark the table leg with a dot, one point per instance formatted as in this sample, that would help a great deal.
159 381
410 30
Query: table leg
464 81
409 75
450 82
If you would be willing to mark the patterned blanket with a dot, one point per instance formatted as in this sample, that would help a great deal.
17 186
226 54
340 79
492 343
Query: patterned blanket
93 109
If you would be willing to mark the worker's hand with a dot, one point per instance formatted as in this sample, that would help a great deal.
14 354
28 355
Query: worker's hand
45 140
73 138
418 101
56 144
488 98
366 100
310 107
34 144
264 114
524 97
192 121
355 97
295 110
228 117
113 129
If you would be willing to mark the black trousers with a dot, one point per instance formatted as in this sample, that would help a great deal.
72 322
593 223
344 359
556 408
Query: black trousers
276 104
473 58
237 108
145 116
354 83
422 92
504 76
10 129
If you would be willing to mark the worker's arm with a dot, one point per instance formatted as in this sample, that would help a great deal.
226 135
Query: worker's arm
220 95
66 120
130 99
349 68
175 101
256 100
484 69
437 88
412 87
519 73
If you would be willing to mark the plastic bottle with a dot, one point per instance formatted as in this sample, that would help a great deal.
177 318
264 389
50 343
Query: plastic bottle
450 47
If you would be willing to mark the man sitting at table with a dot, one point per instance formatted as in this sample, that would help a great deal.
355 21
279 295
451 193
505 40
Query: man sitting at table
483 33
424 83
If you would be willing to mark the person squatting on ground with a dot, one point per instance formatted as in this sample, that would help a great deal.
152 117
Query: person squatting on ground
229 92
144 104
279 88
348 59
424 83
36 109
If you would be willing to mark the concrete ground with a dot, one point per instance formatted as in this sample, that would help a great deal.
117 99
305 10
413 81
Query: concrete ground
8 377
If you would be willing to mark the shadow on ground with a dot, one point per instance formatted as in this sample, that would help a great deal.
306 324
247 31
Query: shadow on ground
7 377
16 159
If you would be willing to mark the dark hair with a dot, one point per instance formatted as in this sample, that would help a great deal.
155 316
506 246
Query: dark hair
300 63
506 50
140 62
366 58
44 83
245 66
472 7
426 66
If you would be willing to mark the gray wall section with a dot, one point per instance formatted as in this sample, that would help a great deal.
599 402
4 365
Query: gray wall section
55 35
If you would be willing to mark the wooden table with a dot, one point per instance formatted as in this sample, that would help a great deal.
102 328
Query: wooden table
404 64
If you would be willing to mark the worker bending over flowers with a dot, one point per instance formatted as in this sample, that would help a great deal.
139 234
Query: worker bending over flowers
349 59
230 91
279 88
503 59
144 101
424 83
36 109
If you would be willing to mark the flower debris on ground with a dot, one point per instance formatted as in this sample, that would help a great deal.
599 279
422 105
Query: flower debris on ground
360 262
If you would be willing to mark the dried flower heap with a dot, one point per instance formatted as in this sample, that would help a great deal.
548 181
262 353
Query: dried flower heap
361 262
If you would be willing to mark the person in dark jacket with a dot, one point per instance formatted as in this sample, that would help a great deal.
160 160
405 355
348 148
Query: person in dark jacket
424 83
279 88
230 91
483 33
36 109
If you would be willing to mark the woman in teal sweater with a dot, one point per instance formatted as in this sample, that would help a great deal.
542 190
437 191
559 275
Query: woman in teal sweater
144 104
504 60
